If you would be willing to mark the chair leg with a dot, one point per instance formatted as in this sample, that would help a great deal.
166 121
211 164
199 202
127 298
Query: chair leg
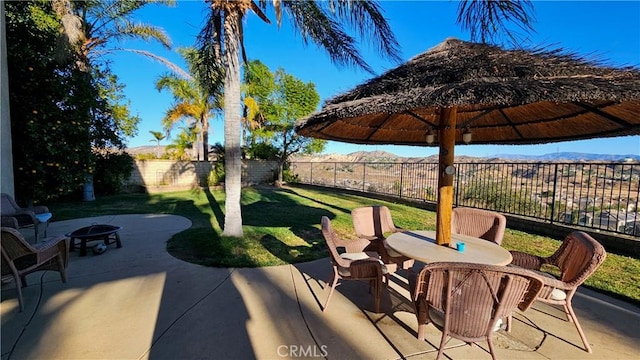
62 268
509 321
491 349
333 287
421 329
442 344
19 290
573 318
378 295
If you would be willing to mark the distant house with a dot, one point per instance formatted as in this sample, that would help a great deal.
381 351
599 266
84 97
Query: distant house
617 220
585 202
582 218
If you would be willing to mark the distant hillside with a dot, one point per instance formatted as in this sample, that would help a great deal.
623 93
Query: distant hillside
570 156
383 156
148 149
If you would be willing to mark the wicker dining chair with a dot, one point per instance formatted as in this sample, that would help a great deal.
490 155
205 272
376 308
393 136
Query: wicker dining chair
467 301
577 258
484 224
372 223
352 264
19 258
25 217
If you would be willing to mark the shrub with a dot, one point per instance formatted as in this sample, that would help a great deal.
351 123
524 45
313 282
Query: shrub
112 169
217 174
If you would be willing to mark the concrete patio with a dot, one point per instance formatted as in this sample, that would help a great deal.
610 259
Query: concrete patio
139 302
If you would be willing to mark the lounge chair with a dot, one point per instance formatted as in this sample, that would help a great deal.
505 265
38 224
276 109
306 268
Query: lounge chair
19 258
25 217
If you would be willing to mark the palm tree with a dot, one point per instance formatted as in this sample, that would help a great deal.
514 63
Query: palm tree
184 141
321 22
191 100
92 29
157 137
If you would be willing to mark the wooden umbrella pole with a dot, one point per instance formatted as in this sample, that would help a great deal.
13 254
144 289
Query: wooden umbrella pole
447 140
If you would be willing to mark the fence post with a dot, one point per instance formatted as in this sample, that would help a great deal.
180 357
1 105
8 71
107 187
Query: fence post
364 175
401 178
311 173
457 186
335 171
555 186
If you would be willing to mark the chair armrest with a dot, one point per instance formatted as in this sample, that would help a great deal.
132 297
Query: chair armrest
527 261
10 221
25 217
52 246
40 209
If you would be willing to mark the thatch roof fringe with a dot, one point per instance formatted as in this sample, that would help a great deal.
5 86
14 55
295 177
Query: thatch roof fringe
503 96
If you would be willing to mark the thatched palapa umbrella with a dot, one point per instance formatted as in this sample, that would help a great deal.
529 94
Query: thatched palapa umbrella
461 91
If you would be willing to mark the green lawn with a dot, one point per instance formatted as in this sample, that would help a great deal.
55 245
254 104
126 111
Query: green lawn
282 225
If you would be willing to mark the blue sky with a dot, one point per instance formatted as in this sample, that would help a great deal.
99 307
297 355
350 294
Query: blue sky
606 30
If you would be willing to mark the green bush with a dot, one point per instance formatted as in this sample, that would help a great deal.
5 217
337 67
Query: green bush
112 169
217 174
289 176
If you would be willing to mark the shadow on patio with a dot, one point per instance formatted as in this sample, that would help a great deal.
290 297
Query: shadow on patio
140 302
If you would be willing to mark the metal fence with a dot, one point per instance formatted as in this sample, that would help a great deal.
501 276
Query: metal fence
603 196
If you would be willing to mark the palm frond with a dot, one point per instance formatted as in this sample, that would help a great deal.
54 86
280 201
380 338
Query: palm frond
182 90
256 9
366 17
175 68
313 24
209 68
127 29
487 19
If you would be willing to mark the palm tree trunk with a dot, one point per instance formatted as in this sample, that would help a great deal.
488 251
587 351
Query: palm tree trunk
205 139
232 126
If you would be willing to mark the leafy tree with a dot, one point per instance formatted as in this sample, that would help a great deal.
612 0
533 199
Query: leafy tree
258 85
89 30
50 132
291 99
192 101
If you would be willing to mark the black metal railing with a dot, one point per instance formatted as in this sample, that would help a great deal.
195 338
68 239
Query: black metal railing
603 196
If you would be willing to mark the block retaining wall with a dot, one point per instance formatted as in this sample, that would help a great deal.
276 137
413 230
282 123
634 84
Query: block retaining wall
169 175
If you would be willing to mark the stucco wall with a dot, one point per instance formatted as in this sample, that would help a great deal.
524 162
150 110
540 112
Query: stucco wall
6 165
164 175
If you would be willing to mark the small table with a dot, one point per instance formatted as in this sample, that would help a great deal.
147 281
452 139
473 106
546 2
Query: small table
42 218
95 232
422 246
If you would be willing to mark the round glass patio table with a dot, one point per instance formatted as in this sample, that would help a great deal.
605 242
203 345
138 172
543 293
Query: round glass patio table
421 245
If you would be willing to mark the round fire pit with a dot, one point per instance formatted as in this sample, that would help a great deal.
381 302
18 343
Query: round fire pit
107 233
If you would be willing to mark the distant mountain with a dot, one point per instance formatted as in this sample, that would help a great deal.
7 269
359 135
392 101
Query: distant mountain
147 149
383 156
569 156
